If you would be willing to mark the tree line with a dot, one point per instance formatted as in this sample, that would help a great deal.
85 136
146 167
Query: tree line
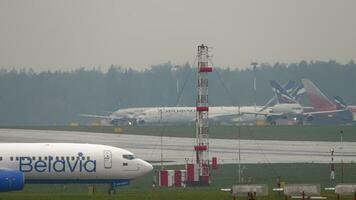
58 97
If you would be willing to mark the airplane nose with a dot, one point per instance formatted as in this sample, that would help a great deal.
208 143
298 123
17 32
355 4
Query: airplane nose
145 167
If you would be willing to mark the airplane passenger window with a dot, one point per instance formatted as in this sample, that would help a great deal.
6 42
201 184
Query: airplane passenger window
40 158
33 158
0 158
57 158
11 158
17 158
73 158
45 157
62 158
88 157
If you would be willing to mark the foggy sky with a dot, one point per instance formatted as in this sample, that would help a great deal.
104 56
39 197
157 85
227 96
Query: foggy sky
51 34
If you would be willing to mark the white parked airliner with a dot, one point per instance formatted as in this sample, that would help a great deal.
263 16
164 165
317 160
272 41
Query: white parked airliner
22 163
156 115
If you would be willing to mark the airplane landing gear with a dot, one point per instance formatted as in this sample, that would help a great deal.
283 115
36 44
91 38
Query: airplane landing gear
300 122
273 123
111 190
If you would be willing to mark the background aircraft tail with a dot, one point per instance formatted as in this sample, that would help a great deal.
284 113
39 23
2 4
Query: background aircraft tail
289 86
340 103
317 99
281 94
297 92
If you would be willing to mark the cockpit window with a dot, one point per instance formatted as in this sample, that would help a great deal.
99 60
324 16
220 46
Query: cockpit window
128 156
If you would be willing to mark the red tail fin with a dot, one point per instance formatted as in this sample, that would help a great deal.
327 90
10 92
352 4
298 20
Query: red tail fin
317 99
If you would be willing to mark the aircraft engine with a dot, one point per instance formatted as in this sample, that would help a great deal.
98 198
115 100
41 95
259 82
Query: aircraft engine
115 122
309 118
11 180
271 120
128 121
141 121
132 122
299 120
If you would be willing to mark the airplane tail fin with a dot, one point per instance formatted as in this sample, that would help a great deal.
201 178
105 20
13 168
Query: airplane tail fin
317 99
281 93
289 86
298 92
340 103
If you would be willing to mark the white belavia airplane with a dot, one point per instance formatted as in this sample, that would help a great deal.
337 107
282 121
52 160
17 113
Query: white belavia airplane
58 163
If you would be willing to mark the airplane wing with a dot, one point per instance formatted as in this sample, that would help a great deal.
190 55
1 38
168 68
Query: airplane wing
96 116
323 112
224 117
112 117
263 113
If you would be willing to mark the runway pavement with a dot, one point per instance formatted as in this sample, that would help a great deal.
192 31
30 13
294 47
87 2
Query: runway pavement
180 150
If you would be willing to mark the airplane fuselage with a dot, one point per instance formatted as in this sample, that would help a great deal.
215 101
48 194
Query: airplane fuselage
71 163
287 109
153 115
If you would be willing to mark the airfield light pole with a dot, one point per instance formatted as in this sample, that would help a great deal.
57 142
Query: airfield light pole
160 121
341 151
254 64
239 157
239 145
332 167
202 108
175 75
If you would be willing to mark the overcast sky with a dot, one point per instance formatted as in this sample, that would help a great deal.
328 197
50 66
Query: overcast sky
63 34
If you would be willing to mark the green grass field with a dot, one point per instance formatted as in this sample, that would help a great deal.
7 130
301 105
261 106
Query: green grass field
311 133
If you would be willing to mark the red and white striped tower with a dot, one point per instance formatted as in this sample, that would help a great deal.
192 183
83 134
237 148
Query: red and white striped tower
202 108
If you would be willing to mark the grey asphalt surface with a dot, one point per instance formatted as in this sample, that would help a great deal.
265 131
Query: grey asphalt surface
178 150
